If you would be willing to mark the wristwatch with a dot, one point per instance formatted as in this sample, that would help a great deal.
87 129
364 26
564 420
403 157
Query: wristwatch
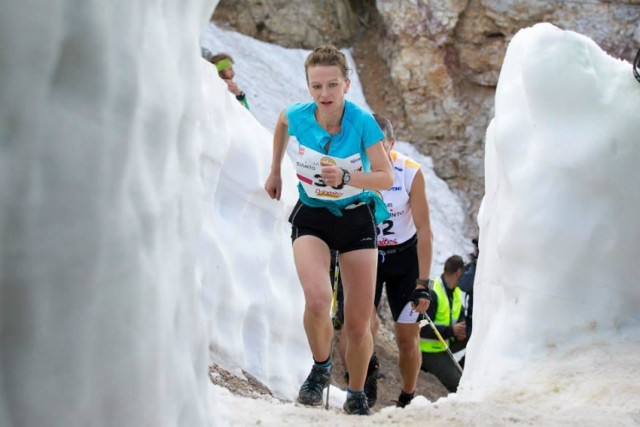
346 177
428 283
240 96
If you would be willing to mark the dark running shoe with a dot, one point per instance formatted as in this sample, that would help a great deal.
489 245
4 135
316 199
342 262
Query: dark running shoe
311 391
356 404
371 382
404 399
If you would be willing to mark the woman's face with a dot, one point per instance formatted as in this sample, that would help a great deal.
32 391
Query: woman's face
227 73
327 86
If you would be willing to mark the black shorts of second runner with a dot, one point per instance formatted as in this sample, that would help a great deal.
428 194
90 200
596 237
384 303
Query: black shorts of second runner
355 229
398 272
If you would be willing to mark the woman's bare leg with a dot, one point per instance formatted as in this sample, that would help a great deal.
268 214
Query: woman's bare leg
312 258
358 269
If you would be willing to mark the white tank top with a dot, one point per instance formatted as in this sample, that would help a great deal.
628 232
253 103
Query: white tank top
400 227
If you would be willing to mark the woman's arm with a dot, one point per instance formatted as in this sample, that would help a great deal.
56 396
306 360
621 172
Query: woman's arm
273 185
380 177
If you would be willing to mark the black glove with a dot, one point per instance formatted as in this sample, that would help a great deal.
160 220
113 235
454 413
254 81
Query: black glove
420 293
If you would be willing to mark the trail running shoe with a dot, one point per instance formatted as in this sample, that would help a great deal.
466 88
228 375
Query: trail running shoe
311 391
371 382
356 404
404 399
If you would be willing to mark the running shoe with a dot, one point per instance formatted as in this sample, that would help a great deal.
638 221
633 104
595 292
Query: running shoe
356 404
371 382
311 390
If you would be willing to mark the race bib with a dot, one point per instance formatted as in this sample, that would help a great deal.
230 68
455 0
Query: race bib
309 168
408 314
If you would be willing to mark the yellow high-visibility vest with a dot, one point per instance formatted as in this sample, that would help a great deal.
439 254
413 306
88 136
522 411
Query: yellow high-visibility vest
445 315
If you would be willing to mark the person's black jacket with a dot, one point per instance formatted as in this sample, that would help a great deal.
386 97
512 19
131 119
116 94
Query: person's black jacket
466 285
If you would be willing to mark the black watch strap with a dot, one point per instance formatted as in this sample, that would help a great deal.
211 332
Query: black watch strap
346 177
428 283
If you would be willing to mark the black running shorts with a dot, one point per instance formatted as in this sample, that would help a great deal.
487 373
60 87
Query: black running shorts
355 229
397 271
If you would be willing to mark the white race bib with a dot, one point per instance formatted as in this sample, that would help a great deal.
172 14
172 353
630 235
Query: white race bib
408 314
308 169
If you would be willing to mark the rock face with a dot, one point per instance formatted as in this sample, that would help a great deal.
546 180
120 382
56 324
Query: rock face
432 65
291 23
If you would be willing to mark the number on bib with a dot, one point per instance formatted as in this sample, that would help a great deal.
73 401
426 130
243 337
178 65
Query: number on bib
387 226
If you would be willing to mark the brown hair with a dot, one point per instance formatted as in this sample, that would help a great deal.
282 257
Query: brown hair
386 127
453 264
327 55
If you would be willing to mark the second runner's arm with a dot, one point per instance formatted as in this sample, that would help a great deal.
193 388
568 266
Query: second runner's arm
422 220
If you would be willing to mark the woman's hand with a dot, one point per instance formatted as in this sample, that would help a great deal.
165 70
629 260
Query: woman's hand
332 175
273 185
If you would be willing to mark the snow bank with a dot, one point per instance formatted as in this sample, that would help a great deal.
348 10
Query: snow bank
558 272
100 311
252 297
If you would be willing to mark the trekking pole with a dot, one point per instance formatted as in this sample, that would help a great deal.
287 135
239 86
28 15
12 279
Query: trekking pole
334 309
334 300
442 341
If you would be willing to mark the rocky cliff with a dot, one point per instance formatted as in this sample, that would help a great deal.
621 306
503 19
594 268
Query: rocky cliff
432 65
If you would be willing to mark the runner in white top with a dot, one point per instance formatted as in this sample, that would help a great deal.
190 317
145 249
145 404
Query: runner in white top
399 228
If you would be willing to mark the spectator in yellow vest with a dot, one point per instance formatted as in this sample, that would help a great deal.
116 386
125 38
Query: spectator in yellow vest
446 312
